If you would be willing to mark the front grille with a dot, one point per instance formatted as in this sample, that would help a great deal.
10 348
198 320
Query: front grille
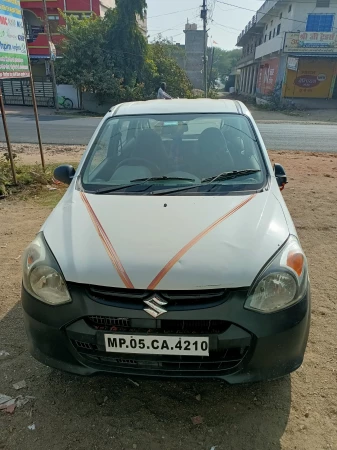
131 298
183 327
84 345
218 362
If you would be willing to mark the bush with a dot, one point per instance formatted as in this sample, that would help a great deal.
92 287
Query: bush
26 176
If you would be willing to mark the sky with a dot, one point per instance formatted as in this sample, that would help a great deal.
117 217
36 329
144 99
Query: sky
169 17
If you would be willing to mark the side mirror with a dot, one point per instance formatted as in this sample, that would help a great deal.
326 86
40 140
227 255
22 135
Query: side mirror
64 173
280 175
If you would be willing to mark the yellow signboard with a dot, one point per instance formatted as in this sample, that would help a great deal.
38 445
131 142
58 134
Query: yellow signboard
310 42
313 79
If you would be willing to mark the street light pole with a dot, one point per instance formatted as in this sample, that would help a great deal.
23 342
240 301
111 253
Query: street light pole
204 18
52 68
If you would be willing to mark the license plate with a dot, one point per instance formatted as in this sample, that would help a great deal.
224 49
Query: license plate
157 345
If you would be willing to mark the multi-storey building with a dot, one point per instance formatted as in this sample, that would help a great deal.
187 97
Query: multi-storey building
289 48
33 15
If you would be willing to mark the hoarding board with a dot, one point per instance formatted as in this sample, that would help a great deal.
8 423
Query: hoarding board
310 42
312 79
13 51
267 76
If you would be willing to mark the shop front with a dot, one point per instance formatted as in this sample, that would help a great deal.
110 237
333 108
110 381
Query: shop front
311 66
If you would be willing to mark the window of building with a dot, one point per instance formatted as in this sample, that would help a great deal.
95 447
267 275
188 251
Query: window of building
320 22
53 21
290 8
280 15
265 38
267 27
278 29
271 23
322 3
269 34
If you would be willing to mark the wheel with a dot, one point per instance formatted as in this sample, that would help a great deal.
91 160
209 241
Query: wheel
51 103
68 104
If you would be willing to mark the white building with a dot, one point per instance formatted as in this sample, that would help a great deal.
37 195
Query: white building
290 47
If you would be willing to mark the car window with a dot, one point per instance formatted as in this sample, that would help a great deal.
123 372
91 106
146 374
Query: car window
101 147
179 148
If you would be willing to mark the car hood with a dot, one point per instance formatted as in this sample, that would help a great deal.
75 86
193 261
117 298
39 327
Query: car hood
165 242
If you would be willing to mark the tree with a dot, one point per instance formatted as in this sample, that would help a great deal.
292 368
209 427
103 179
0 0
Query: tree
125 39
111 57
167 69
224 63
105 56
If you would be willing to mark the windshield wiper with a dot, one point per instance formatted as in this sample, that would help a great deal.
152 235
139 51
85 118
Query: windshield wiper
229 175
163 178
117 188
221 177
142 181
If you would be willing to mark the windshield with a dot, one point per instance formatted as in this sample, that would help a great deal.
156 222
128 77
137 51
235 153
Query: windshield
144 154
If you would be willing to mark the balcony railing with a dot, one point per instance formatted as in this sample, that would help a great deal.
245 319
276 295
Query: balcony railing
250 24
265 8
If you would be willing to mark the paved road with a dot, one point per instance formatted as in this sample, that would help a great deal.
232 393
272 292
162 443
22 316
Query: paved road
69 130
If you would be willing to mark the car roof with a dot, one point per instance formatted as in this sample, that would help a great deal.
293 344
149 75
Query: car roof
179 106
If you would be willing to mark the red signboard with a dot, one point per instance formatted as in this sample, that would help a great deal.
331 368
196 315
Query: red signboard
267 76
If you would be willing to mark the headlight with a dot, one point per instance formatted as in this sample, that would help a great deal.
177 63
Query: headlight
283 282
42 276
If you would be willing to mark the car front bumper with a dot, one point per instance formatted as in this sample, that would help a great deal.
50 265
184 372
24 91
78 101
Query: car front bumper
245 346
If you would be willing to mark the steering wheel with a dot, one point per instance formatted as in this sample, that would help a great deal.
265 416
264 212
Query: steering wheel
149 164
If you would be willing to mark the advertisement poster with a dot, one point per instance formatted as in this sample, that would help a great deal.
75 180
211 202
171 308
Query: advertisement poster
312 80
308 42
13 53
267 76
292 63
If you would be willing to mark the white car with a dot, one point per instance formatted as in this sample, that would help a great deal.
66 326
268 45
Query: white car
172 254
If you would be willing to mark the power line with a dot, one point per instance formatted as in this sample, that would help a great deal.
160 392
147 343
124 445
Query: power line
168 14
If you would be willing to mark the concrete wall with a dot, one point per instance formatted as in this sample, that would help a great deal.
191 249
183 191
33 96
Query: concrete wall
274 45
90 103
194 48
302 9
69 91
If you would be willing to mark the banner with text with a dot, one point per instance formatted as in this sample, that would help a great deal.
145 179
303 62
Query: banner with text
13 52
267 76
313 79
310 42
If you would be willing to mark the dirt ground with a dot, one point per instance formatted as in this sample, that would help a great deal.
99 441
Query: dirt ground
297 412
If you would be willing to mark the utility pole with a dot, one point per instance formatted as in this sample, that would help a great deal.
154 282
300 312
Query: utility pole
52 68
204 18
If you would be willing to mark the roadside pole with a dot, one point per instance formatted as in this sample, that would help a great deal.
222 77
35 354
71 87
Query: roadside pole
14 64
9 146
204 18
36 114
50 42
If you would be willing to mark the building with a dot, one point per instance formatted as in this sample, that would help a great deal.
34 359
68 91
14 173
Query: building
190 58
289 49
34 22
194 50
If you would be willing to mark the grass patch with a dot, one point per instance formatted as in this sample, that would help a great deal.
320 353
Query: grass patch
33 183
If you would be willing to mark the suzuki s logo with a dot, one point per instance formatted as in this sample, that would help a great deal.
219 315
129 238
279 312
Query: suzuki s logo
155 306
